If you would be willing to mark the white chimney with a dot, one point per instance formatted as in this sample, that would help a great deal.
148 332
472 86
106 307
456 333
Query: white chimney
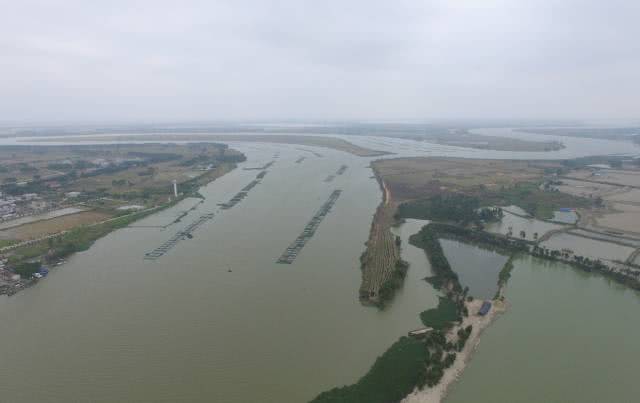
175 188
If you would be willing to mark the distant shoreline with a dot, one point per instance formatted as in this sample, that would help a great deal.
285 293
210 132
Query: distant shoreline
317 141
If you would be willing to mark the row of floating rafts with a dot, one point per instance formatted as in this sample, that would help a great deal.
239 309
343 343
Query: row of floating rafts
241 194
251 185
299 160
341 170
289 255
185 233
265 166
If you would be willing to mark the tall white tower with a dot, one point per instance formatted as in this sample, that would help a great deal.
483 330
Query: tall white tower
175 189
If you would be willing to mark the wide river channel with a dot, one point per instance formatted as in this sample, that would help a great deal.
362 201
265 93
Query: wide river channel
216 319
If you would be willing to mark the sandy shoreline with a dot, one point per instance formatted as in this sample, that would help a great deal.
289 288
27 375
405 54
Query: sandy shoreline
480 323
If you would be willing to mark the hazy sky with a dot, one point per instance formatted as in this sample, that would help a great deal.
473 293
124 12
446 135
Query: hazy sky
130 60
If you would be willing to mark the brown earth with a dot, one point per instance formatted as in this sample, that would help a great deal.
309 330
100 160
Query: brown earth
39 229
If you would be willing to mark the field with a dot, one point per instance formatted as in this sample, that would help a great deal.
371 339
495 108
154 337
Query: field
482 182
619 197
42 228
414 178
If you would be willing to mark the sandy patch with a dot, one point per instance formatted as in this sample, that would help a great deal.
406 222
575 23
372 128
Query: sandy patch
451 374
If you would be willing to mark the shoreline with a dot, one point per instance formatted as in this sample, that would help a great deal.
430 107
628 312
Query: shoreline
303 140
451 375
11 288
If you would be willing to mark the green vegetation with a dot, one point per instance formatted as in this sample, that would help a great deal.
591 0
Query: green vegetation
411 363
454 207
444 277
464 209
406 364
7 242
625 276
535 201
486 240
26 269
76 240
505 273
392 376
442 316
389 287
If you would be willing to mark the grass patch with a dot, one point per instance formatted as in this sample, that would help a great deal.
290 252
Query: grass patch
7 242
27 269
392 377
442 316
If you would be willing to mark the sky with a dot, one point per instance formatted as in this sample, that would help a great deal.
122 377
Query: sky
151 61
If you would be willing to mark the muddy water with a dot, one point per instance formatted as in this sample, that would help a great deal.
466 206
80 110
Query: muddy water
568 336
110 326
216 319
477 268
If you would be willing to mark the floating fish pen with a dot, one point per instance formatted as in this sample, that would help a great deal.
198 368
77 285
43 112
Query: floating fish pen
240 195
265 166
340 171
185 233
299 160
290 254
261 175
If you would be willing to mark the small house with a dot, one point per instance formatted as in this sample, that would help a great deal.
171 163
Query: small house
485 308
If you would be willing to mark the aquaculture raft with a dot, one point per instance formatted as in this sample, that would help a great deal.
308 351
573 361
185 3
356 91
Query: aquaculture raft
179 236
290 254
242 193
340 171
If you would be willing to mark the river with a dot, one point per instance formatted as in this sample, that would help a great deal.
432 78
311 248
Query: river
111 326
216 318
